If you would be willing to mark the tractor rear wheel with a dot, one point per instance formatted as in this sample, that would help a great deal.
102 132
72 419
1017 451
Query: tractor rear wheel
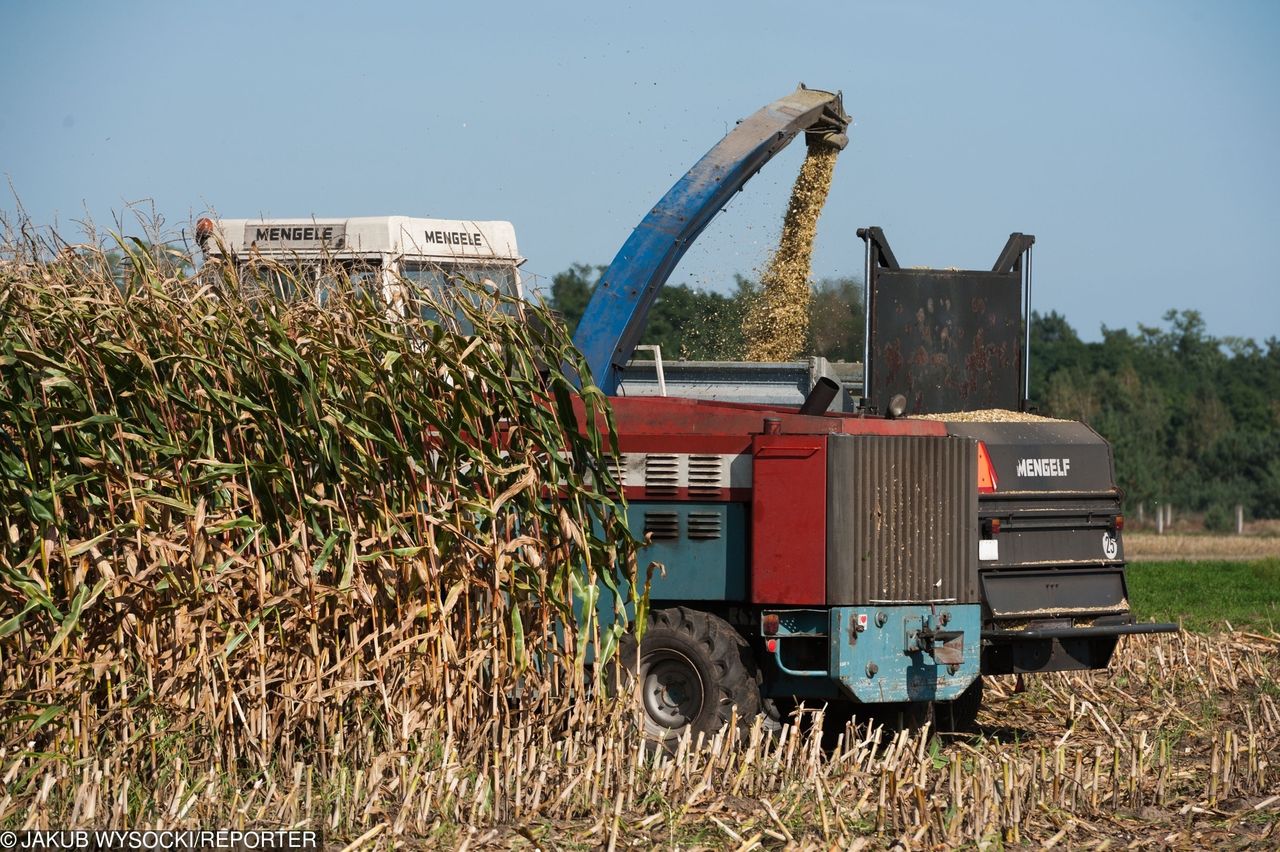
694 673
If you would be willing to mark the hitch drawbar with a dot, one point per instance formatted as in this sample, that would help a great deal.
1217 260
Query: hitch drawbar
889 653
945 646
1124 626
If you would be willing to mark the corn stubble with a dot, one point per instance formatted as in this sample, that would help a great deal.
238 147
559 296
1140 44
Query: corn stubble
776 327
1176 746
236 592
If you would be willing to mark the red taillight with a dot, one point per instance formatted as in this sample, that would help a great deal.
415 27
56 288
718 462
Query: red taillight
1118 523
204 229
987 481
771 645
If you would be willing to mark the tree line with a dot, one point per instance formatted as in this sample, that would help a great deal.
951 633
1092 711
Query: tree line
1193 419
693 324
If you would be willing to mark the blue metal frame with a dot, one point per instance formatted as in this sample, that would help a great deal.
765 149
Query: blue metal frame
877 654
696 569
619 307
799 624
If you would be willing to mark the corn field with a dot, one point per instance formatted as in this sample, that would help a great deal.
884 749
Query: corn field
292 564
243 532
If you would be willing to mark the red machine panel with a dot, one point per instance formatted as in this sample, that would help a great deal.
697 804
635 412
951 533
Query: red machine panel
789 519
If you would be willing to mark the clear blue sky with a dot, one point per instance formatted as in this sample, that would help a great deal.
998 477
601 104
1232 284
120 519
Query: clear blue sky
1139 141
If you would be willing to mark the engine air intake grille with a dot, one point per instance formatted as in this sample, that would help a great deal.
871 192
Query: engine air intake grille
902 519
706 476
704 525
662 526
616 470
661 475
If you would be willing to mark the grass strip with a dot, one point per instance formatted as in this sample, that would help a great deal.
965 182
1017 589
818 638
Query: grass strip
1208 595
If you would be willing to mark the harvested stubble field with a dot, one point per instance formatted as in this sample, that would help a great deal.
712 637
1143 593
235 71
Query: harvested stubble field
1150 546
1177 746
235 592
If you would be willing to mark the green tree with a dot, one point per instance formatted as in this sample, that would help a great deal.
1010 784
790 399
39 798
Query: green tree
1133 415
1055 347
571 290
1191 418
695 324
836 319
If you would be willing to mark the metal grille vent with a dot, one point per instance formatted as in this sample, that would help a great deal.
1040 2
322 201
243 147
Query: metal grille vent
901 519
704 525
661 474
706 476
662 526
618 470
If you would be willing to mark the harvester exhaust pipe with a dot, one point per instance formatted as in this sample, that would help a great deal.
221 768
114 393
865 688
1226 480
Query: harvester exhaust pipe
819 399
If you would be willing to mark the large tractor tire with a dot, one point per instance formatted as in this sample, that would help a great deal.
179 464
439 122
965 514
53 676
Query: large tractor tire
694 674
960 715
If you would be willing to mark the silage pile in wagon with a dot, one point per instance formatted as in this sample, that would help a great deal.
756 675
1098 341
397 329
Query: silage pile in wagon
249 531
987 415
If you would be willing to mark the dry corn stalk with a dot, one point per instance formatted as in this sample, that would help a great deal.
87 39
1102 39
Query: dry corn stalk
274 531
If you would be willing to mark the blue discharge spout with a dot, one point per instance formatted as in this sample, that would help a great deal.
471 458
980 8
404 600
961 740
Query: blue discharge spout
619 308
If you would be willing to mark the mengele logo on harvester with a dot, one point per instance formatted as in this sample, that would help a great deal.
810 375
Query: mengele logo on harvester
299 236
1044 467
454 238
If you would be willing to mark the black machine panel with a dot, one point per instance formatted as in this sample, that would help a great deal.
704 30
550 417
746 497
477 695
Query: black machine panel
1044 455
1030 594
945 339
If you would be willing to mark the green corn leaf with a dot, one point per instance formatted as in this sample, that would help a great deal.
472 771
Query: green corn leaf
31 589
13 624
517 640
84 597
46 716
325 552
235 641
